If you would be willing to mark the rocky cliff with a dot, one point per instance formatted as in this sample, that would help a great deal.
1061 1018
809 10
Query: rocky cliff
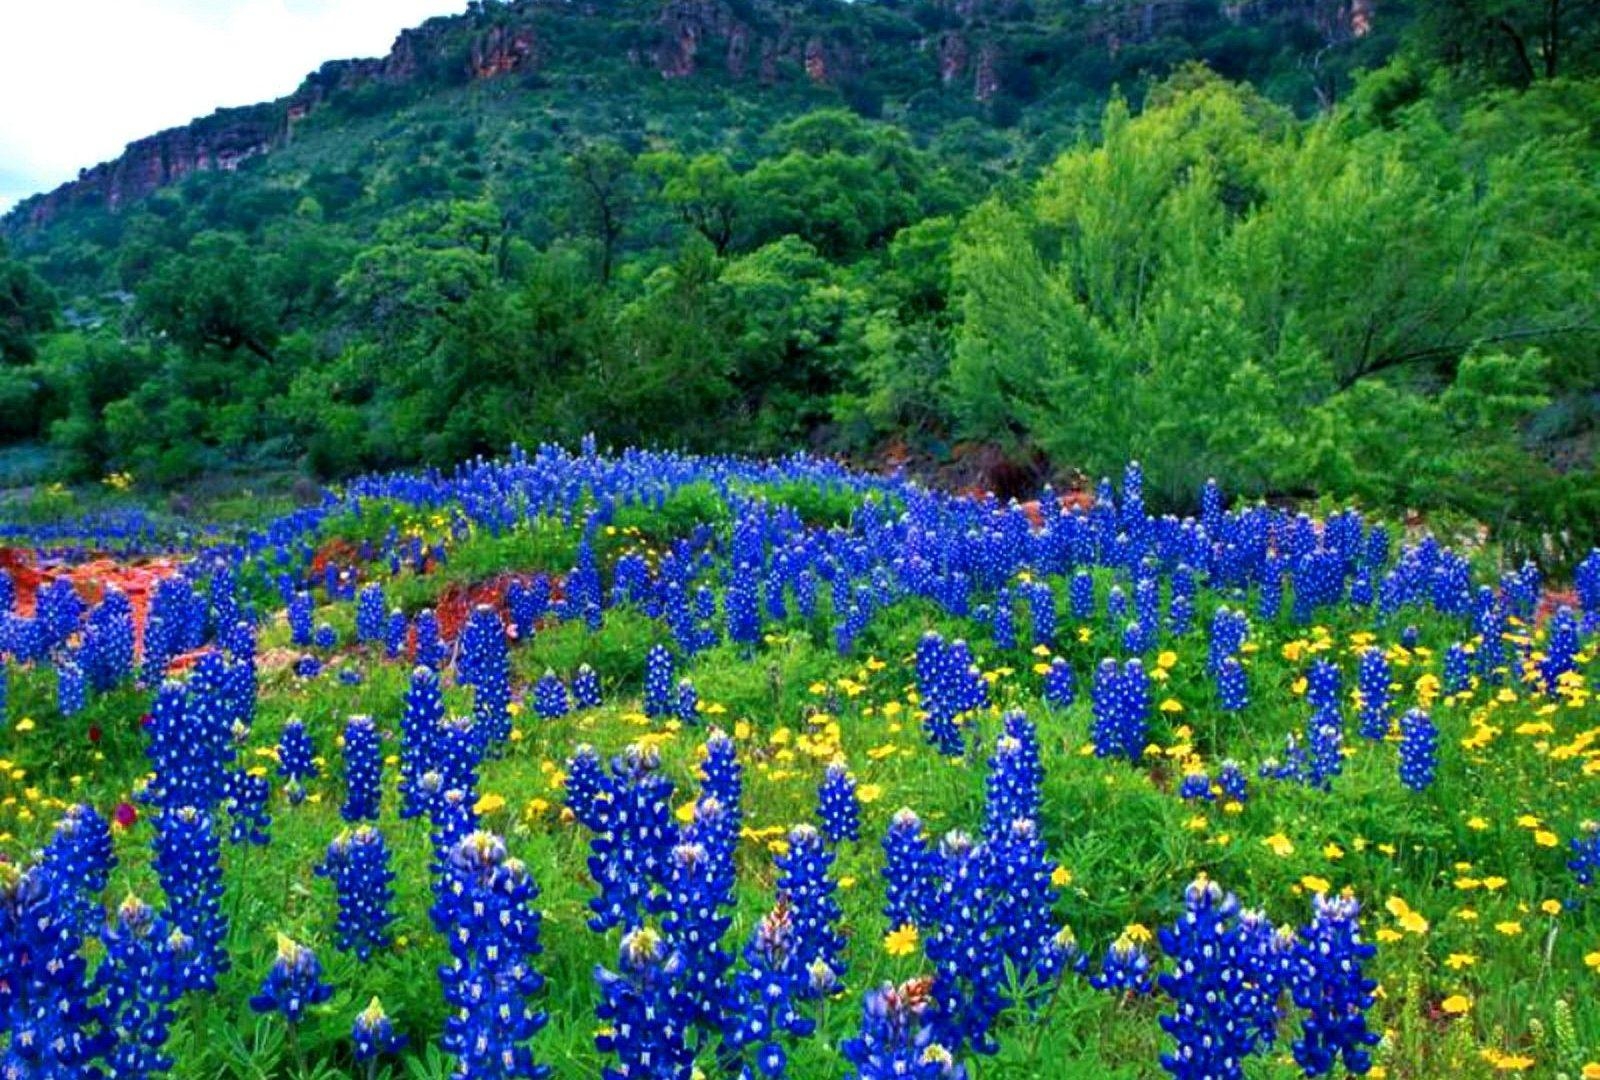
963 45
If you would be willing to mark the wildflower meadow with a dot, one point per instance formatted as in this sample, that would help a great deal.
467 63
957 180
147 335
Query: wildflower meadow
646 765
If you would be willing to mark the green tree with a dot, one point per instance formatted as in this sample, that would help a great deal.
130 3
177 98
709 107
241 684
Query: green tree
704 191
605 191
1213 292
27 309
213 296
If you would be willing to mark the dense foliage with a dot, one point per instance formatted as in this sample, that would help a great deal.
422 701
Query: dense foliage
1264 280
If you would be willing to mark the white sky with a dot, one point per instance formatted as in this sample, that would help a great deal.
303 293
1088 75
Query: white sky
80 79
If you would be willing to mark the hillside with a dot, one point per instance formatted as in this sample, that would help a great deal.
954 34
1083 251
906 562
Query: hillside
927 63
1000 242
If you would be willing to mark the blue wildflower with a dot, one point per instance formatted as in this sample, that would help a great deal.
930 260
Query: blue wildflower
837 807
357 862
363 770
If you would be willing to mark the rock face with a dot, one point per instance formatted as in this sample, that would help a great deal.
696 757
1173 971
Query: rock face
965 49
220 143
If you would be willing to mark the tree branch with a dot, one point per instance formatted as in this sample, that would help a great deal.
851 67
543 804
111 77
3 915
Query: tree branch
1437 352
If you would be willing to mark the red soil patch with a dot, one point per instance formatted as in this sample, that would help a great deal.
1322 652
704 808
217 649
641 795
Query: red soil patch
1072 500
137 579
458 601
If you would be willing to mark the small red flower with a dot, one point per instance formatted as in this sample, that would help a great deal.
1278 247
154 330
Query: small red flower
94 733
144 721
125 815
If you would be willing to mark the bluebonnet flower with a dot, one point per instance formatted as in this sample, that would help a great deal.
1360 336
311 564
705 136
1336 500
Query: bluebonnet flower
1269 596
907 871
1196 784
804 881
1270 962
550 696
293 983
80 858
586 688
837 807
647 1029
721 782
1021 876
106 654
325 637
296 759
453 814
527 603
658 682
1233 690
1136 638
429 642
457 752
699 888
1116 605
374 1036
1372 680
896 1039
1041 612
300 620
371 614
1331 987
1561 650
1233 782
629 851
1125 968
949 684
140 979
1325 729
1457 669
1219 1003
1180 615
1585 582
1229 629
188 864
158 651
1585 861
363 770
485 909
1121 706
395 631
1419 749
1080 595
485 665
1293 767
44 1003
1324 749
245 799
686 703
1003 620
307 667
767 991
192 737
419 737
357 862
72 688
1012 788
588 790
966 945
1060 684
742 609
